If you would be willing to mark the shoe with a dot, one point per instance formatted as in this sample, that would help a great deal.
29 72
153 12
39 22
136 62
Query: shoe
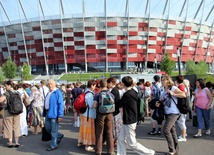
152 133
17 145
197 135
89 149
182 139
181 136
51 148
98 153
170 153
9 145
79 144
159 132
59 139
111 153
208 132
152 152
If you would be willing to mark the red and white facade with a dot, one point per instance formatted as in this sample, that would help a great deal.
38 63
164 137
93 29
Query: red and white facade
89 40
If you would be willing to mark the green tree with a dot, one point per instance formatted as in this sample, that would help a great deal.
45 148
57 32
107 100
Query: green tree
2 78
9 69
167 65
25 73
192 68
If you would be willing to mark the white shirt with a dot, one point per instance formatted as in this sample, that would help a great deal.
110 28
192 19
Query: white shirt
46 90
47 99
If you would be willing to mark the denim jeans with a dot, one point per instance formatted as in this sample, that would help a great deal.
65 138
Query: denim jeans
52 125
203 114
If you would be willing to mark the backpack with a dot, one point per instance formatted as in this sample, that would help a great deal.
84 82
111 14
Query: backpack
106 102
183 104
141 107
80 104
14 103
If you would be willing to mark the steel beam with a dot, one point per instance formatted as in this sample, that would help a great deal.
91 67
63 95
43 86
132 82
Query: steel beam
185 22
165 7
198 9
209 13
105 11
208 45
23 10
196 50
182 8
6 38
5 12
127 35
63 45
83 20
40 4
43 45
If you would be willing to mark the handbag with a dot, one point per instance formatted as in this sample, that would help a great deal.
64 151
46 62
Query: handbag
26 101
46 136
194 121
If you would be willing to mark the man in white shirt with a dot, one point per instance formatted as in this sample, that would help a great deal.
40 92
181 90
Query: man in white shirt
43 89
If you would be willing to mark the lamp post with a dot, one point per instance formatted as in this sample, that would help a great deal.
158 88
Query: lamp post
21 74
156 65
80 75
179 60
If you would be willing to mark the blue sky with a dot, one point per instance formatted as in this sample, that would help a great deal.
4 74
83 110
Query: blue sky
136 7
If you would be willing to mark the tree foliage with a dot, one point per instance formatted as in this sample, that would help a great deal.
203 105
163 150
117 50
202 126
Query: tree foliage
9 69
26 72
167 65
192 68
2 78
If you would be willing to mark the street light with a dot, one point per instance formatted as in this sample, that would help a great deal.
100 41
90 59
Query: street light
80 75
179 60
156 65
21 74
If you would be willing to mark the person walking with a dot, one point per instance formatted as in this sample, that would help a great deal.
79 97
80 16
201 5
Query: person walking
37 102
202 103
103 121
168 96
127 134
53 113
11 122
87 119
155 94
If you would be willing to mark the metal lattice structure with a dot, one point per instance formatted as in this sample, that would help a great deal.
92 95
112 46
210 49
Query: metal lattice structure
106 39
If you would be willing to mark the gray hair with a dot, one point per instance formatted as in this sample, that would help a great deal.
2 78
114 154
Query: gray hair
34 88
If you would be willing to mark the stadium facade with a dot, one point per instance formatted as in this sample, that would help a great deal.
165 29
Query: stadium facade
105 41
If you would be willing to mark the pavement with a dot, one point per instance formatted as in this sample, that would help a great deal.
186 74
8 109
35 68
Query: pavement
32 144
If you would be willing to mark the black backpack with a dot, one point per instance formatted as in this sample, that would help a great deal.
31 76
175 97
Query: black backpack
14 103
182 104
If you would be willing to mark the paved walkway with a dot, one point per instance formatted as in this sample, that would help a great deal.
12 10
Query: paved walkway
32 144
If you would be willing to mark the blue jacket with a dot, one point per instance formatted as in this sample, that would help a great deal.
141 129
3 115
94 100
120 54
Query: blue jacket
56 106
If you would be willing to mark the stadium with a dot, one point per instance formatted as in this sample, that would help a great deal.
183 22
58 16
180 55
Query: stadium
105 41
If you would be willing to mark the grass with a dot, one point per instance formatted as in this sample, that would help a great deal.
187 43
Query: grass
74 77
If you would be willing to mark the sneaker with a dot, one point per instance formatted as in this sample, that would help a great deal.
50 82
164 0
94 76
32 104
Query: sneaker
181 136
197 135
208 132
182 139
159 132
152 152
152 133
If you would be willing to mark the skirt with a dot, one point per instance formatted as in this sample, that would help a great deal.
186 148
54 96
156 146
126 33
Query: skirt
37 116
86 131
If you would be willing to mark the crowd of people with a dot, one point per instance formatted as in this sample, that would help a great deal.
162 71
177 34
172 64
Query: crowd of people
49 102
